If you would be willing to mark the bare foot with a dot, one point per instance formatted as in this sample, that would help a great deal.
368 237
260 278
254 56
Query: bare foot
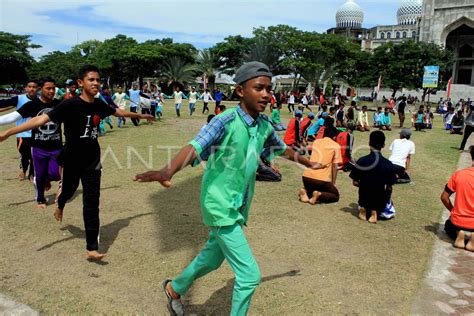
21 176
303 196
470 243
315 197
362 214
58 214
95 255
459 242
373 217
41 206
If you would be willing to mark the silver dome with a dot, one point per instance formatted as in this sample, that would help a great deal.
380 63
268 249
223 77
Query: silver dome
350 14
409 12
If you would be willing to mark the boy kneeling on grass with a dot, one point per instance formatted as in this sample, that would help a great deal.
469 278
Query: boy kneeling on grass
231 143
374 175
461 219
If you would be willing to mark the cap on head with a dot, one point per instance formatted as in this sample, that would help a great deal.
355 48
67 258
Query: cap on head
405 132
311 115
251 70
298 113
69 82
324 114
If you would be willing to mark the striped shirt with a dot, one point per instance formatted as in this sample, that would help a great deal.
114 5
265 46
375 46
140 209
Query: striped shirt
213 133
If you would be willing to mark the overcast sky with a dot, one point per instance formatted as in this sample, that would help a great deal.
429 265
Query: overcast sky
59 25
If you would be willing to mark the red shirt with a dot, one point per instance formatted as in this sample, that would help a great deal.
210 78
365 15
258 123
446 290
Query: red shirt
462 182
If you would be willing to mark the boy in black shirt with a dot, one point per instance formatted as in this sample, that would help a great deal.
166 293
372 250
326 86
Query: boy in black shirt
374 175
46 141
80 157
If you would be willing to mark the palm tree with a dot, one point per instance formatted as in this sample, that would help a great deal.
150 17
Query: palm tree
177 70
208 64
262 51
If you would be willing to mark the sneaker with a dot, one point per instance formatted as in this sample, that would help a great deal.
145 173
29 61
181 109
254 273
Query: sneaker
175 307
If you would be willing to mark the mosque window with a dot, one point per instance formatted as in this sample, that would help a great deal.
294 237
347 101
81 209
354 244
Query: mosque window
382 35
397 35
413 34
389 35
404 34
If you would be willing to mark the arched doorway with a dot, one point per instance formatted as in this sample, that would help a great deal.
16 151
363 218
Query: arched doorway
461 41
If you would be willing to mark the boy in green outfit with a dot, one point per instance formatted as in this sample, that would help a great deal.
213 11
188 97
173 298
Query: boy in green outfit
276 119
231 143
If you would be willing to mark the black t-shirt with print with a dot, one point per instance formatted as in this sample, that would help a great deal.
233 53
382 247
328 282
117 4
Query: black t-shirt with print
46 137
81 120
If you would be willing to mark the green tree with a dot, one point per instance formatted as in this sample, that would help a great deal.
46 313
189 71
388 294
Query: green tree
58 65
232 52
402 65
15 57
208 65
176 70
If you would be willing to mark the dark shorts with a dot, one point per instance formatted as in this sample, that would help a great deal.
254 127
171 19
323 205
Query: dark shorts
373 201
329 193
402 175
452 230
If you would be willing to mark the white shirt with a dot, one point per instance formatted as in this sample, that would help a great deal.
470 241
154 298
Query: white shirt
206 97
400 149
292 99
120 100
192 97
178 97
304 100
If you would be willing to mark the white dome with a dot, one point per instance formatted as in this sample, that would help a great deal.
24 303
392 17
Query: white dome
409 11
350 14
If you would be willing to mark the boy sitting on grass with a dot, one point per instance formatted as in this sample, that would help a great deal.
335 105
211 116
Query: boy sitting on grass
461 219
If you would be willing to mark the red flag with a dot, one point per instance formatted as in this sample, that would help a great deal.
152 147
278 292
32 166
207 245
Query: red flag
450 83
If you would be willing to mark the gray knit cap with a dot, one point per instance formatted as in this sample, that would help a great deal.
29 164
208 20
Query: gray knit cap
251 70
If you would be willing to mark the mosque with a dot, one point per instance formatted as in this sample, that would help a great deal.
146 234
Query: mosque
449 23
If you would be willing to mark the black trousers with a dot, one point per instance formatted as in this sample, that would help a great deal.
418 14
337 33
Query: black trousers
329 193
291 107
452 230
90 180
402 175
135 121
467 132
24 148
205 108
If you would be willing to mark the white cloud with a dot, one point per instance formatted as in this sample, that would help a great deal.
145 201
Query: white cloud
205 22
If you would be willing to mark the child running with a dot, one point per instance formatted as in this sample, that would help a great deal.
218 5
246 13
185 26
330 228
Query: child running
80 157
232 143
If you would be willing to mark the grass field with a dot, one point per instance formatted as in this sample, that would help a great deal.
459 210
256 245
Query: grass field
314 259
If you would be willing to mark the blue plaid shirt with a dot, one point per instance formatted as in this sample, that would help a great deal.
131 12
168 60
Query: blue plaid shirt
212 134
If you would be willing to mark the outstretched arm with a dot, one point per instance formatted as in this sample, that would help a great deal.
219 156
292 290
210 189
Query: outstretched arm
185 157
292 155
122 113
6 109
10 118
31 124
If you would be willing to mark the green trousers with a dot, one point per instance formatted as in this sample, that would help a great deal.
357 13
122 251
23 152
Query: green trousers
226 242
